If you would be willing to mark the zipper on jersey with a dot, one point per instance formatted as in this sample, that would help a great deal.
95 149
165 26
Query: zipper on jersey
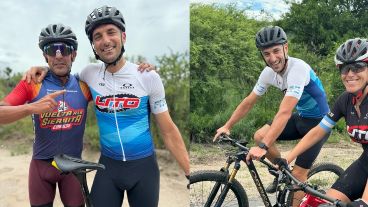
116 119
60 140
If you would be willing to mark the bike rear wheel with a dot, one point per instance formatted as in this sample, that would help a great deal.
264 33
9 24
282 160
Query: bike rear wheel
322 175
207 186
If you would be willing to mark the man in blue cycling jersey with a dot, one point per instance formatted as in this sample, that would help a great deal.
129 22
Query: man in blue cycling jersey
60 129
124 100
303 90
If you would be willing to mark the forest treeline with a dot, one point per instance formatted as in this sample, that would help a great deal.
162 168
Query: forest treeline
203 87
225 63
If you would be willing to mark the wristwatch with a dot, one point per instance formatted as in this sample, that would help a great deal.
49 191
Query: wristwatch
263 146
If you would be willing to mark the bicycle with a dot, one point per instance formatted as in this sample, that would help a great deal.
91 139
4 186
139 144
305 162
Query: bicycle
78 168
221 188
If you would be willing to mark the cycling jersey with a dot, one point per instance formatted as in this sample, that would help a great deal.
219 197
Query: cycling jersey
299 81
123 102
357 126
60 131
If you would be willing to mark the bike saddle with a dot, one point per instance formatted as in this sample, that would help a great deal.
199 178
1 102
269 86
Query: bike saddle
67 163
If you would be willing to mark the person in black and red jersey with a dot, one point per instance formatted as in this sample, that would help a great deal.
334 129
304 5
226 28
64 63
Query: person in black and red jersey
352 60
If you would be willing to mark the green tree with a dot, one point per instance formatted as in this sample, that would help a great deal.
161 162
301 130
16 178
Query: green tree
322 24
174 72
224 66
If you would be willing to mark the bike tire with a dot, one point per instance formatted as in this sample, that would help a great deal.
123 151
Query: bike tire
202 183
323 175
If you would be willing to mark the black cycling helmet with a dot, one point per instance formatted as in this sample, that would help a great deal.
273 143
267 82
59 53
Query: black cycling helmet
270 36
104 15
353 50
57 33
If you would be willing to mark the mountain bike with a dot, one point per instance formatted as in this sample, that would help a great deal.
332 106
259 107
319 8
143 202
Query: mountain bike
78 168
221 188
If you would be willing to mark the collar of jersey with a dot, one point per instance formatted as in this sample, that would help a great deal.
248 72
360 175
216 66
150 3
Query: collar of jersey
56 79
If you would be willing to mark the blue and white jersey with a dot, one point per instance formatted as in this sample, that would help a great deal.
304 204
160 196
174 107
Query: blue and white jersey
123 102
299 81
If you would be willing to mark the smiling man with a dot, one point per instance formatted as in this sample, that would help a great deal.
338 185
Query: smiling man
125 99
303 90
60 129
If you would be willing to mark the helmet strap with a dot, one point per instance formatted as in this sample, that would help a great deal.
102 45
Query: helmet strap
117 59
286 59
107 64
357 96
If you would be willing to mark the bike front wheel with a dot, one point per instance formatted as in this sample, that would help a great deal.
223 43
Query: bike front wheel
322 176
207 187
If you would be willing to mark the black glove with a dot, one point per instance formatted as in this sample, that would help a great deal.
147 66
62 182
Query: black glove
358 203
188 178
281 162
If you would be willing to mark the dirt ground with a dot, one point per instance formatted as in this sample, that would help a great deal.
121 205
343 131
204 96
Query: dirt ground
213 158
14 180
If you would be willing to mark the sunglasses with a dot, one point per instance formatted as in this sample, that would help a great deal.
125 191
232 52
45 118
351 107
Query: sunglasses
61 48
354 67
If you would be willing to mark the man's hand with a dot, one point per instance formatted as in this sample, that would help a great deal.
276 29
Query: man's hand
46 104
256 153
35 74
222 130
281 163
146 67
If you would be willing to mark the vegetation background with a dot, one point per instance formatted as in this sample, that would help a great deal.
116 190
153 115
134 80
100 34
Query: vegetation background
174 71
225 63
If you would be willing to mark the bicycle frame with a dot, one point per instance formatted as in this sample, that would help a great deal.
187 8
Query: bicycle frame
241 156
82 178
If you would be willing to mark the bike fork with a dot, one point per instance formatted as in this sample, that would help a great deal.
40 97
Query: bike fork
226 188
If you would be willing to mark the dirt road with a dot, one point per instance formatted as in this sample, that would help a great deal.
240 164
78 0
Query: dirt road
14 180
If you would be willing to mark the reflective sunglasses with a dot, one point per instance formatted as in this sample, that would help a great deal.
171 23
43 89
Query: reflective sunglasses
354 67
61 48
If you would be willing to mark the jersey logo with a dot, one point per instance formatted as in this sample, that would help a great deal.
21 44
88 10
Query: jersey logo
62 106
64 117
358 133
294 90
127 86
121 102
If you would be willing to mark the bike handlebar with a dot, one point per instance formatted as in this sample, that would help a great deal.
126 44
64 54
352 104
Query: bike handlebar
304 186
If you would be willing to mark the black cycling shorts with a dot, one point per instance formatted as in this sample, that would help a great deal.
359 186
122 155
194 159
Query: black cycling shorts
139 178
296 128
352 182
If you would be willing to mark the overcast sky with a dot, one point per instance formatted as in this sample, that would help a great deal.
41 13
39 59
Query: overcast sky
153 27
